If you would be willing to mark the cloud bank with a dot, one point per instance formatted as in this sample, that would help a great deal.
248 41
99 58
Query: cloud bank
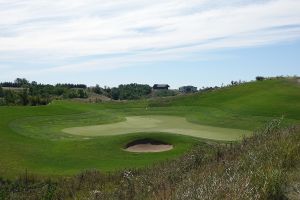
42 36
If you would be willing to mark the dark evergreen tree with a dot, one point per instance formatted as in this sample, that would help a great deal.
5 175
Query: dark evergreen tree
97 89
260 78
115 93
1 92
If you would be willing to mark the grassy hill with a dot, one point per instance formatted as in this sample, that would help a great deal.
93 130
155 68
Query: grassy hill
235 106
32 138
262 98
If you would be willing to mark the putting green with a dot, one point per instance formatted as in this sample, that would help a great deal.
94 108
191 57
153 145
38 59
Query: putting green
167 124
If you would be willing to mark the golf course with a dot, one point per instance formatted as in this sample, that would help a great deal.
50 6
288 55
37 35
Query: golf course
64 138
150 100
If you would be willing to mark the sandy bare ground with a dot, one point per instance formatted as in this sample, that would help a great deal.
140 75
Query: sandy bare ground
149 148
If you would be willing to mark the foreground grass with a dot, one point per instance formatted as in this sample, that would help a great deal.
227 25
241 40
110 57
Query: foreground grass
66 157
257 168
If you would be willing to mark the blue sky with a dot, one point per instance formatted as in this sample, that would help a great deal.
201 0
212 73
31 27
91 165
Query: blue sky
190 42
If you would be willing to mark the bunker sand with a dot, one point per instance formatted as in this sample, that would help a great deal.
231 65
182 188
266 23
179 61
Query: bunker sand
158 123
142 148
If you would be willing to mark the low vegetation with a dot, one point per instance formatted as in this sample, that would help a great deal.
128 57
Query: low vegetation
164 93
129 91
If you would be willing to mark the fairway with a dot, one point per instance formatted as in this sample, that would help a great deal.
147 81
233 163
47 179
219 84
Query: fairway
167 124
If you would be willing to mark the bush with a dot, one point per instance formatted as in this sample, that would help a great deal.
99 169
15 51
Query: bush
11 97
129 91
1 92
260 78
164 93
97 89
2 102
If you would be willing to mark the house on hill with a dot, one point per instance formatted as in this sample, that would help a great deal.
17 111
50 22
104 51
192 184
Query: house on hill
161 87
188 89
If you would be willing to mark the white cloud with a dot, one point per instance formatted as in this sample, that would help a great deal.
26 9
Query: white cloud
148 31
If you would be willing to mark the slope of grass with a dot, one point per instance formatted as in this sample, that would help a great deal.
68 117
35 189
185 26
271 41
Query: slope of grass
31 137
268 98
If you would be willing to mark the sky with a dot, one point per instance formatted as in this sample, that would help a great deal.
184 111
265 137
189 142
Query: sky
178 42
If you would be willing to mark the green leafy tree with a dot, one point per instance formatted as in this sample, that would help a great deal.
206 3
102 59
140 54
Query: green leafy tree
71 94
21 82
10 97
82 93
33 100
133 91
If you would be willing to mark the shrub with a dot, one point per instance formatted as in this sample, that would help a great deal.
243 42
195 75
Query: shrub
1 92
260 78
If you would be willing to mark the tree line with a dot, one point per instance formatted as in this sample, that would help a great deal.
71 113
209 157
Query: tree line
21 82
23 92
125 91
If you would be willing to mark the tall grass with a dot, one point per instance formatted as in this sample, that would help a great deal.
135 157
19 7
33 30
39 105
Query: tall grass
256 168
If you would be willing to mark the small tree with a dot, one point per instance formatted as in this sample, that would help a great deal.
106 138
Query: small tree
10 97
1 92
82 93
24 97
115 93
21 82
97 89
71 94
260 78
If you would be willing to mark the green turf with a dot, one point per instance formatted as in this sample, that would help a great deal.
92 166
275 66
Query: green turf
32 138
159 123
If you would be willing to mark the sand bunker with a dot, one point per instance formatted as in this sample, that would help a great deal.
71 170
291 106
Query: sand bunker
149 148
148 145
